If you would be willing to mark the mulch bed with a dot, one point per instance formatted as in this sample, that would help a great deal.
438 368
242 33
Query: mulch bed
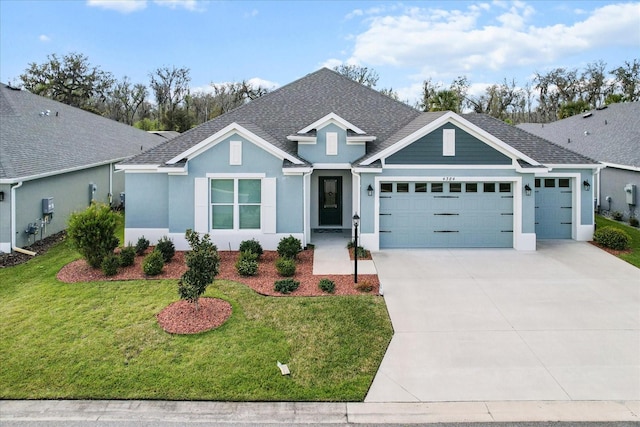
181 317
40 247
611 251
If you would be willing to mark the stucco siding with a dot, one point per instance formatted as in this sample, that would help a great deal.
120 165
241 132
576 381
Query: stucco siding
5 219
429 150
316 153
290 204
612 183
147 201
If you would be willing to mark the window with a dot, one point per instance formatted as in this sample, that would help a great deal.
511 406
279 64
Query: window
386 187
402 187
448 142
489 187
471 187
455 187
505 187
563 182
235 204
332 144
437 187
549 183
537 183
421 187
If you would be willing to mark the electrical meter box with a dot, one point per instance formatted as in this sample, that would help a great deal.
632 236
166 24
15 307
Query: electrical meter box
47 206
630 193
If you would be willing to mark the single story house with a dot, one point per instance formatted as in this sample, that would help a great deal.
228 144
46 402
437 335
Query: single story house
312 154
55 159
610 135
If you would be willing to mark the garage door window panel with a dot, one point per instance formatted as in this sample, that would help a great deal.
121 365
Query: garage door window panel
421 187
437 187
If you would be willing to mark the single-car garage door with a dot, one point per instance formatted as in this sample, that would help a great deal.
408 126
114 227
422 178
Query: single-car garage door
553 208
446 214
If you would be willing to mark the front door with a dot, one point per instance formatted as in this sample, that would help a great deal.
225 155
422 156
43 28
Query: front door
330 200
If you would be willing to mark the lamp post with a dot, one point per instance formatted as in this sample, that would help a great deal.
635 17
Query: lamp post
356 222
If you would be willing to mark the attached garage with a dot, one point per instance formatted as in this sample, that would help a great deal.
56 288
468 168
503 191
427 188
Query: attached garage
446 214
554 208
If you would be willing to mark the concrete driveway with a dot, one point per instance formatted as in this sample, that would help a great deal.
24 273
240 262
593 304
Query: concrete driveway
560 323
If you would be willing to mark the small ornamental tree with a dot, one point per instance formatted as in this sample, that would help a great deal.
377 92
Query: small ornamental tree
92 232
203 263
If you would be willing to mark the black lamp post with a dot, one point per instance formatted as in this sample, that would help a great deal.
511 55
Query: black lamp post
356 222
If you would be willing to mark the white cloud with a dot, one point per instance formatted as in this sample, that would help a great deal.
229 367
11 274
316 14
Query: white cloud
251 14
191 5
44 38
487 37
122 6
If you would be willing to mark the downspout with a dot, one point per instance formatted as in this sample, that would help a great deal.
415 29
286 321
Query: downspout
305 209
13 214
110 184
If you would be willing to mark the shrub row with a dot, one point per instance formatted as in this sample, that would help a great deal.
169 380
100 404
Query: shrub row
612 238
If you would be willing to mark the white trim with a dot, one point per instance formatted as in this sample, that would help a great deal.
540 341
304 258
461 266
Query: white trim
5 247
131 235
572 166
455 119
296 171
625 167
458 167
140 168
304 140
577 228
317 166
448 142
236 175
360 139
233 128
235 153
331 143
367 170
14 229
332 118
58 172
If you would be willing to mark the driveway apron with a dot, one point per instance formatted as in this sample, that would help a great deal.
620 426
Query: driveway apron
559 323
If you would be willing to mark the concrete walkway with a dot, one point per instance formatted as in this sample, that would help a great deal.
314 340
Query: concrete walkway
558 324
331 255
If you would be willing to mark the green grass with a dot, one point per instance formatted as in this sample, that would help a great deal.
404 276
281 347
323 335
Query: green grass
101 341
633 257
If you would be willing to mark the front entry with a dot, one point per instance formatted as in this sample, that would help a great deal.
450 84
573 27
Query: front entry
330 201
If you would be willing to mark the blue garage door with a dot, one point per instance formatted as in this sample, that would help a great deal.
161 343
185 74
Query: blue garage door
553 208
446 214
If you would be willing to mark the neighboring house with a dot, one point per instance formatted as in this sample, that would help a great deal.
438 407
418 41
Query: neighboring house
315 152
56 159
612 136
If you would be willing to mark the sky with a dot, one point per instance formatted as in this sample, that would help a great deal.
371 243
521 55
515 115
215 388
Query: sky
273 43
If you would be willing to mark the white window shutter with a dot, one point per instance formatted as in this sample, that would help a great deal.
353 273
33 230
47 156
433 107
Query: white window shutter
201 208
235 153
269 212
448 142
332 144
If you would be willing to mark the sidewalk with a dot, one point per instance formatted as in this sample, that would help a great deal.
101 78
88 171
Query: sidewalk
314 413
331 256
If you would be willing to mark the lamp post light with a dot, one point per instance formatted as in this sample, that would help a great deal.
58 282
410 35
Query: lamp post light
356 222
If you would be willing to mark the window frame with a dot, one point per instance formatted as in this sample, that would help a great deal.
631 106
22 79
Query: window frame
236 203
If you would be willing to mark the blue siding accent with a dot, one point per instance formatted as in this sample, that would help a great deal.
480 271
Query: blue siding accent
181 203
428 151
290 204
147 201
316 153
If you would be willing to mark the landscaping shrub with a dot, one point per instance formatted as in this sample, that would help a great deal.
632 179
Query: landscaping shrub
289 247
203 262
364 286
247 264
153 264
612 238
92 232
110 265
286 286
166 248
360 252
327 285
617 215
141 246
127 256
252 246
634 222
286 267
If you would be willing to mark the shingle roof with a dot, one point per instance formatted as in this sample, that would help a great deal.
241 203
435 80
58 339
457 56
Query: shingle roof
67 138
609 135
290 108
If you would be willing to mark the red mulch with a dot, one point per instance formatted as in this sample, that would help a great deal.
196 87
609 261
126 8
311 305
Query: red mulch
181 316
611 251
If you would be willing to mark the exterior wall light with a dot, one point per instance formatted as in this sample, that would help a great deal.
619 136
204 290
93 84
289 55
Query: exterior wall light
527 190
2 196
356 222
370 190
586 185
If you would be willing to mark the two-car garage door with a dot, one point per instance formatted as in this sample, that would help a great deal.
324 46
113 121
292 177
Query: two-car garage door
446 214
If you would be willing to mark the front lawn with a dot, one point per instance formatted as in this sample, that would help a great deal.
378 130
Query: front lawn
101 341
634 256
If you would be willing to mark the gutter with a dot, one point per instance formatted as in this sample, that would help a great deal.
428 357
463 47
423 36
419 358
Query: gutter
13 214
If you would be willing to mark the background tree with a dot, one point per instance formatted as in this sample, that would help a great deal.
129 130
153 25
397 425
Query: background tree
627 79
364 75
71 80
170 86
203 264
125 99
444 100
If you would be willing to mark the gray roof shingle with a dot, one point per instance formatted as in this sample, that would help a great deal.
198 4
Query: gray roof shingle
609 135
68 138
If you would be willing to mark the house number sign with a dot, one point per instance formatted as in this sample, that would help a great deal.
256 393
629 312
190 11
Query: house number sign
449 178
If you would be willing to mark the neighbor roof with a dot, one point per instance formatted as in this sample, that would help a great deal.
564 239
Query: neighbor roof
295 106
610 135
39 137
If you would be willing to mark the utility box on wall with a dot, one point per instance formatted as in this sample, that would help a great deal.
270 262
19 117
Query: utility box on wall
47 206
630 194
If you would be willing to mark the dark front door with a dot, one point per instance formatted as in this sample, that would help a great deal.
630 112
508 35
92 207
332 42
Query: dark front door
330 203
